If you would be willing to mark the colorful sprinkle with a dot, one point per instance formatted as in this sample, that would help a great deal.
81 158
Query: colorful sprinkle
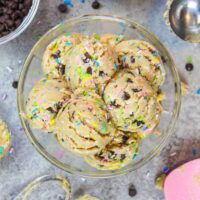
194 152
1 150
166 169
68 3
135 155
189 59
68 43
11 150
58 60
97 63
82 1
78 123
96 36
126 127
116 66
198 91
103 127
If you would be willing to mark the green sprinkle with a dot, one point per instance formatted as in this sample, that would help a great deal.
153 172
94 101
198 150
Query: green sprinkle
96 36
85 93
189 59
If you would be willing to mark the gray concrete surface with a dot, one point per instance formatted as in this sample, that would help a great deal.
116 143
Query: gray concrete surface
25 164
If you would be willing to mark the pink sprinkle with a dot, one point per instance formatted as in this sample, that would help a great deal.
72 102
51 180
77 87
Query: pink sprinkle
11 150
59 154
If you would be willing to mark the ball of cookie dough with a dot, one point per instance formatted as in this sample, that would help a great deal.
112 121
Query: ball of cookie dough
4 139
44 101
56 54
143 59
118 153
83 124
91 64
132 103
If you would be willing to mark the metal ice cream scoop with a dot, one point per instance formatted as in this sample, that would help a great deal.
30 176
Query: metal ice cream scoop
184 18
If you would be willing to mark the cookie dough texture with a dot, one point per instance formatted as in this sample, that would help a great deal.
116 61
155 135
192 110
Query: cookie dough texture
57 52
44 101
118 153
143 59
83 124
132 103
5 139
91 64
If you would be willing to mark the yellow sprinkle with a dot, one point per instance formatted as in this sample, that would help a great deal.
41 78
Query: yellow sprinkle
41 110
95 125
52 122
7 136
30 116
161 96
156 60
140 135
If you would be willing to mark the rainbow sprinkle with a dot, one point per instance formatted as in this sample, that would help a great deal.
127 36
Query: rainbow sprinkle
1 150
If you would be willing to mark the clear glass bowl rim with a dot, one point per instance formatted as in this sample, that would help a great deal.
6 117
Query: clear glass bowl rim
122 171
26 22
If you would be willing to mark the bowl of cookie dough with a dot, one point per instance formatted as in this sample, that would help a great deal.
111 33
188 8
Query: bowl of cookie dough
99 96
15 17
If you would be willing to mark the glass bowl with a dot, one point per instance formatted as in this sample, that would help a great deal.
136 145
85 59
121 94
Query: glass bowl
47 144
26 22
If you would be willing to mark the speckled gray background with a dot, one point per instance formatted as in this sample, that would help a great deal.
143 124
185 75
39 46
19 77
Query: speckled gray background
25 164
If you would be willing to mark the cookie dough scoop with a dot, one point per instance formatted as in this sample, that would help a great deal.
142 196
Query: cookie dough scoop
44 101
132 103
83 124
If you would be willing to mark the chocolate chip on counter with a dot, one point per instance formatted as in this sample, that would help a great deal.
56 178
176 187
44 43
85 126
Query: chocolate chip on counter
89 70
62 8
15 84
96 4
132 190
189 67
126 96
132 59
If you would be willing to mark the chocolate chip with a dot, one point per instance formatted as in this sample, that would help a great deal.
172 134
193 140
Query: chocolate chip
122 157
136 90
125 138
58 106
62 8
163 59
126 96
56 54
189 66
51 110
102 74
61 69
129 80
15 84
132 59
132 114
96 4
113 103
138 122
89 70
87 58
132 190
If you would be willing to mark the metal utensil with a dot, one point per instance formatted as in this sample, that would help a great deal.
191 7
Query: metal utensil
184 18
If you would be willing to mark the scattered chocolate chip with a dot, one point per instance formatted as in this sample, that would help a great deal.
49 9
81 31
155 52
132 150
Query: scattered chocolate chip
126 96
132 114
87 58
96 4
89 70
58 106
73 115
157 67
132 59
129 80
15 84
102 74
62 140
61 69
189 67
62 8
163 59
136 90
56 54
51 110
139 123
132 190
122 157
113 103
125 138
